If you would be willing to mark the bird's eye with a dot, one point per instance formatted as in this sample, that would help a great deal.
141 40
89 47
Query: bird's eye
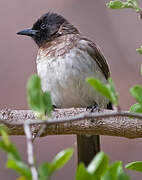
43 26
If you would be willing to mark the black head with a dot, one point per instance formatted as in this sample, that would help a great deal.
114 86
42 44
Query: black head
48 27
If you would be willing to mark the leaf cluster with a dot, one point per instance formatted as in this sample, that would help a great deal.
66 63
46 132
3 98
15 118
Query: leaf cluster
15 162
100 169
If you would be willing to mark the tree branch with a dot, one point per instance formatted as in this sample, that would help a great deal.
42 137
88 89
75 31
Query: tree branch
75 121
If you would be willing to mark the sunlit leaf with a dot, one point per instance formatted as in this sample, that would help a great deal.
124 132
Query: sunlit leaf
141 70
61 159
98 165
47 169
83 174
113 92
136 108
34 94
21 178
48 103
139 50
136 166
123 175
20 167
100 87
44 171
40 102
4 134
113 171
106 90
117 4
11 150
136 92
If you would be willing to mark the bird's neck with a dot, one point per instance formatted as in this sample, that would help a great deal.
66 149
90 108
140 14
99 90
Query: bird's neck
57 47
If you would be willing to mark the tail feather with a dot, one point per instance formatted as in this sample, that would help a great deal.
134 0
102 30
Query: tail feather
88 147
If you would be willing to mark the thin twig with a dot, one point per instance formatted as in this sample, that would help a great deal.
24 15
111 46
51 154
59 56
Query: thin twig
40 132
30 152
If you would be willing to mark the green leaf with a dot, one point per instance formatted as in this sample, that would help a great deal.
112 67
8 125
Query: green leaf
123 175
21 178
106 90
82 174
10 149
5 137
136 166
4 127
133 4
136 108
20 167
44 171
115 4
48 103
61 159
136 92
100 87
141 70
47 169
139 50
39 101
98 165
34 94
114 94
115 172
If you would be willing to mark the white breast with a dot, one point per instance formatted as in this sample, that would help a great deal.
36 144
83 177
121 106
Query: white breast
65 78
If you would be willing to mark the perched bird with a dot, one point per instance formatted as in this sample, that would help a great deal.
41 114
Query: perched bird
65 59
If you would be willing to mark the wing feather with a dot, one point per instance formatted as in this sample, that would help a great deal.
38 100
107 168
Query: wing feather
95 52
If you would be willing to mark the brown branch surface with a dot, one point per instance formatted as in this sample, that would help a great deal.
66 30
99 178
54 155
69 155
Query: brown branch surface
75 121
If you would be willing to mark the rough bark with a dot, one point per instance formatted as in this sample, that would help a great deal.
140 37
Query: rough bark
75 121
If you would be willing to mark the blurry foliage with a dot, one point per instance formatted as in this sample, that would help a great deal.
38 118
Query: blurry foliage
15 162
131 4
98 169
117 4
40 102
107 90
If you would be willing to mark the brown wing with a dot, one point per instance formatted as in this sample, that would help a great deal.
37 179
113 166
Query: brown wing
97 55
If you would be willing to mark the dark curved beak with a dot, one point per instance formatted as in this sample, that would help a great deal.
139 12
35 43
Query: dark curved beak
28 32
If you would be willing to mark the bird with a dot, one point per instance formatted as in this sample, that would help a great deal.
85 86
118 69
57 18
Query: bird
65 58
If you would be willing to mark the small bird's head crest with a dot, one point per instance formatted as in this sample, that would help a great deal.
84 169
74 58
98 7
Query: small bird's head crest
48 27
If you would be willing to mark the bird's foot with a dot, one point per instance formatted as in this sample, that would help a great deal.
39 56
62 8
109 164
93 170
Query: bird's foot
54 107
93 108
